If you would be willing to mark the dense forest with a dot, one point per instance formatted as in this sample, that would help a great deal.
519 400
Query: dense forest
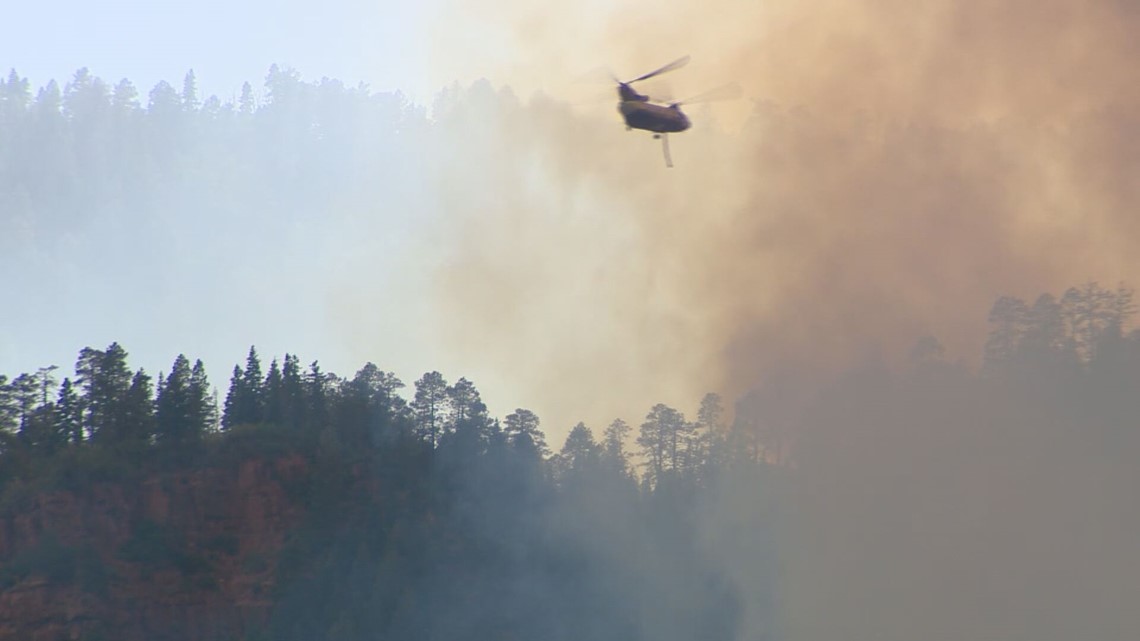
524 533
880 504
481 528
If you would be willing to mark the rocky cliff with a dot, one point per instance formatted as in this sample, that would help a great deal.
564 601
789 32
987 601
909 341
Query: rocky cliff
185 555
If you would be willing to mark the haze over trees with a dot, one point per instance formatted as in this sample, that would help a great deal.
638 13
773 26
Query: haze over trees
587 539
929 502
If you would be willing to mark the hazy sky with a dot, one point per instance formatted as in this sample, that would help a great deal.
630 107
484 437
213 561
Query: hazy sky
905 165
379 43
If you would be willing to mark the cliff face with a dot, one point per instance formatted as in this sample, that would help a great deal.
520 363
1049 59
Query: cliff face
187 555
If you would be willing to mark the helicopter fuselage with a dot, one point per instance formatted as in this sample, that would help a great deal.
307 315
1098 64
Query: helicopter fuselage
660 119
640 113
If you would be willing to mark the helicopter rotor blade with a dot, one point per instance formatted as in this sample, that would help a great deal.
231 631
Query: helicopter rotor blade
730 91
676 64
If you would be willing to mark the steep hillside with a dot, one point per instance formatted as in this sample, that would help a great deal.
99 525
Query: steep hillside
187 555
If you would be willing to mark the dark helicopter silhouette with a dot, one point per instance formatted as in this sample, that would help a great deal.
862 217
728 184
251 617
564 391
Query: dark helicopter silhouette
662 119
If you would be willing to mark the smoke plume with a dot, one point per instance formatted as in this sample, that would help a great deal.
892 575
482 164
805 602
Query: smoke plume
895 167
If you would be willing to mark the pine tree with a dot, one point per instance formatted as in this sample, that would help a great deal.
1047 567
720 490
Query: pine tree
613 445
274 395
293 394
666 442
317 385
710 422
368 405
580 453
15 96
245 402
25 392
105 380
184 408
172 406
465 401
9 412
523 434
138 409
189 96
231 412
430 407
469 423
125 100
69 414
204 405
246 102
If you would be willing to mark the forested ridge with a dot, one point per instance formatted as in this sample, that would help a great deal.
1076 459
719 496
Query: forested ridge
474 525
883 503
502 526
92 147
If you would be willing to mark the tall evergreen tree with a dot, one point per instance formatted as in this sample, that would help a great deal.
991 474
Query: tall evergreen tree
9 409
293 393
69 414
183 410
469 425
25 392
204 402
172 404
15 96
245 402
139 409
369 406
665 440
125 100
274 395
465 401
246 103
579 454
613 445
710 422
105 379
430 407
522 431
231 412
317 387
189 96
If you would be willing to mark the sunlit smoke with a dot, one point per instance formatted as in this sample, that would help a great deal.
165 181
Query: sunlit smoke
894 168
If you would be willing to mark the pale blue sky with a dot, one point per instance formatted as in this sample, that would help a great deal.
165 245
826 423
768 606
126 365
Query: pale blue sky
226 42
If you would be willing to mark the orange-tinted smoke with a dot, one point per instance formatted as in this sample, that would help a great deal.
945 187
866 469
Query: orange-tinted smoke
895 168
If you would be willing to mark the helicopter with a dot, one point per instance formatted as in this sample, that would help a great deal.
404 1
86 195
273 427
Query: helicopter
661 119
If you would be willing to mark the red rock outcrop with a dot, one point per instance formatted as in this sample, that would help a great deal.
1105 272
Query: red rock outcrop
222 530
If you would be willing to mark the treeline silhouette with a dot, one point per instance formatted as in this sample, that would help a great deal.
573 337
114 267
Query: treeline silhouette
91 150
106 404
480 529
